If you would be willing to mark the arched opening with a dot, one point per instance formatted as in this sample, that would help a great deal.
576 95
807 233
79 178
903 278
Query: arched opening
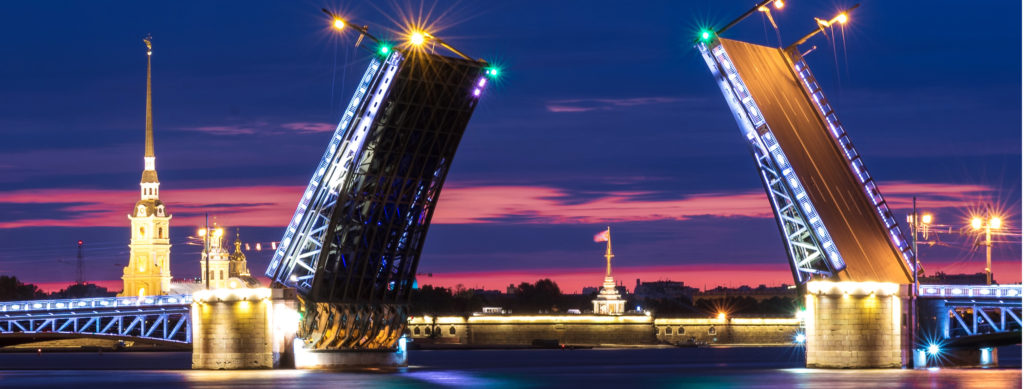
160 233
416 331
668 330
142 292
142 232
451 330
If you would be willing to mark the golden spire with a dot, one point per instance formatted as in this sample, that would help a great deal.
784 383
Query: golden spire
149 172
149 97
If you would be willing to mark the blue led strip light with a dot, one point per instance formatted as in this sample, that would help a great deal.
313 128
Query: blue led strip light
842 140
294 262
752 123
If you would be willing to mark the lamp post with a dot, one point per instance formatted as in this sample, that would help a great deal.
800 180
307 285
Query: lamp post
993 223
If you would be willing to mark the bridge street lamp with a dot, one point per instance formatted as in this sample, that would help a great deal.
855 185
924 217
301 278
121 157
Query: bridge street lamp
993 223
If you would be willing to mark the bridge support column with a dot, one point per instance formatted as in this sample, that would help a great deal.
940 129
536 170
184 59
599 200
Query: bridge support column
242 329
856 325
350 359
965 357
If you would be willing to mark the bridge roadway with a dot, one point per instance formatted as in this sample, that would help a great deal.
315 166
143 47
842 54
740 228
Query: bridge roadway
851 218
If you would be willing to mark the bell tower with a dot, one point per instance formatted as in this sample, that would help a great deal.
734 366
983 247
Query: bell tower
149 268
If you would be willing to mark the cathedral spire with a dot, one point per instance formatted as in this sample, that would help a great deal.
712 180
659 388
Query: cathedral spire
150 183
149 98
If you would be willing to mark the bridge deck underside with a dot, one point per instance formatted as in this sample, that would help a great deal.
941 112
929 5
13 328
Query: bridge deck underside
851 219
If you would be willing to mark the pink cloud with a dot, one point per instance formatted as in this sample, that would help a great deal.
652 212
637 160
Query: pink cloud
261 206
310 127
272 206
584 105
538 204
224 130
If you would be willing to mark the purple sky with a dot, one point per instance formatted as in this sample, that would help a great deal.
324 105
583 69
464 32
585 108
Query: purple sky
605 115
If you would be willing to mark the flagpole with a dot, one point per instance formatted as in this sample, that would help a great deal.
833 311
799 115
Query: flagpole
608 255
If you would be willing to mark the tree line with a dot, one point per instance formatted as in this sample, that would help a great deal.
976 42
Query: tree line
12 289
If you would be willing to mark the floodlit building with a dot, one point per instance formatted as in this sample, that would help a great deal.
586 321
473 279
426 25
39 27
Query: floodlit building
226 269
149 265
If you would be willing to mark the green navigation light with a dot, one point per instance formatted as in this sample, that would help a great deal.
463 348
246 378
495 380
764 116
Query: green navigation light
705 36
492 72
385 50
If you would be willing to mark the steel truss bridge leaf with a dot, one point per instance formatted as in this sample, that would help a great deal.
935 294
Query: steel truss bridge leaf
353 245
833 220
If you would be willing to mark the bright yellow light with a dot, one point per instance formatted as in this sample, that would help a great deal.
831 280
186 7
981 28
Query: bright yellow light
218 232
842 18
779 4
417 38
926 218
976 223
202 232
995 222
339 24
721 316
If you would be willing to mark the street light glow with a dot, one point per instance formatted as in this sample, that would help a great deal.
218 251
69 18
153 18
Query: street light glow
800 338
976 223
842 18
417 38
926 218
995 222
933 349
202 232
339 24
779 4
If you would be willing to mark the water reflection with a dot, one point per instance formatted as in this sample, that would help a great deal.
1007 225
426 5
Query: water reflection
711 368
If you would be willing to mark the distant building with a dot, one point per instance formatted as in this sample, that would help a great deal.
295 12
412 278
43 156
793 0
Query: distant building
664 290
941 278
226 270
609 301
760 293
149 263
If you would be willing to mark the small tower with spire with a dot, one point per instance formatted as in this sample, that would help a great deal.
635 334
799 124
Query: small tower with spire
149 266
608 301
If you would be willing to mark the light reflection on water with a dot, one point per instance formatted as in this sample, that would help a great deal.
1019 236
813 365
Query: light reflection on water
658 368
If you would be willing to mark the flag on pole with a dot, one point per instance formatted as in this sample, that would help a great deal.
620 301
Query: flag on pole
602 236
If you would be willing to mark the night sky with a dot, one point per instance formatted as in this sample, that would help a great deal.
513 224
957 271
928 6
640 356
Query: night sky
604 115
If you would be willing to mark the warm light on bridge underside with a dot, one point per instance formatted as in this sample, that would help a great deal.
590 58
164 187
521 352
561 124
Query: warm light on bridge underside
853 288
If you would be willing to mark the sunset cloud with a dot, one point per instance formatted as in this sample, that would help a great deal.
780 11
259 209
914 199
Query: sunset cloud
272 206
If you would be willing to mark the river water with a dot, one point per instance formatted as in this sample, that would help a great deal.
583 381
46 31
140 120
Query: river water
769 367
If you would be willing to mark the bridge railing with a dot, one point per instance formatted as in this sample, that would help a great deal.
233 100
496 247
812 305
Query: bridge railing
92 303
970 291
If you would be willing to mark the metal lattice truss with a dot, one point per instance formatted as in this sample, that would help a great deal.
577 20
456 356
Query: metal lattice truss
158 318
295 260
810 248
982 318
860 171
352 248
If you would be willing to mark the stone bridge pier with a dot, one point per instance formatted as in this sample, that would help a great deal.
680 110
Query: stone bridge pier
857 324
243 328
